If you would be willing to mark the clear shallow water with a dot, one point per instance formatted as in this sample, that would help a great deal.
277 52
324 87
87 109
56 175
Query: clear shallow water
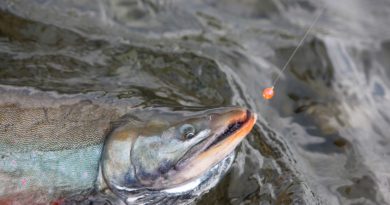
323 139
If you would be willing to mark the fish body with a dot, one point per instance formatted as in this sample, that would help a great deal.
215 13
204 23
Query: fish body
77 149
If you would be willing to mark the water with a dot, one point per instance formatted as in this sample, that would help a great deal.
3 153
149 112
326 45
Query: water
323 139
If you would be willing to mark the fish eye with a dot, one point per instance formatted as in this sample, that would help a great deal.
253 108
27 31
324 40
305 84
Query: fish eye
187 131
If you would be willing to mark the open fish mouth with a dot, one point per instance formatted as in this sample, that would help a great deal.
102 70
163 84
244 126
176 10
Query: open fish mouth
235 125
229 128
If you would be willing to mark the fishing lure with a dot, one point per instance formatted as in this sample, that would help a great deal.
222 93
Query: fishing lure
268 93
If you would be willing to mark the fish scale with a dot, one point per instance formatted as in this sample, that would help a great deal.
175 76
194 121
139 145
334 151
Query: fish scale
69 170
50 142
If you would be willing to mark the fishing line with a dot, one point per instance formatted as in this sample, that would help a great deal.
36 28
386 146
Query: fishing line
268 92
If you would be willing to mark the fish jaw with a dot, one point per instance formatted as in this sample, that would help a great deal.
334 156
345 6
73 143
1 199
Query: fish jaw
219 147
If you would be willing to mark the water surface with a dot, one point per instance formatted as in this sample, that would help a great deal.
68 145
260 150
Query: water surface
323 139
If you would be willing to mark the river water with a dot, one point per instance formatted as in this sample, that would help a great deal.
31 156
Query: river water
323 139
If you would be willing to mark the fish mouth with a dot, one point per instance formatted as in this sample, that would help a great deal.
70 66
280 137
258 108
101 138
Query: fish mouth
238 125
229 129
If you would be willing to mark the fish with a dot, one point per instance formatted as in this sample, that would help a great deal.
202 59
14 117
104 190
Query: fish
89 149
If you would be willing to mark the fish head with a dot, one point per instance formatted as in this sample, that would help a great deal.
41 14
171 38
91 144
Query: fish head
173 153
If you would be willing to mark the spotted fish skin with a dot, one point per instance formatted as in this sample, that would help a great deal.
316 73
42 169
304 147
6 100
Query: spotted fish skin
50 144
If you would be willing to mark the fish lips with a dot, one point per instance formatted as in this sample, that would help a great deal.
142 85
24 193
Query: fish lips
229 129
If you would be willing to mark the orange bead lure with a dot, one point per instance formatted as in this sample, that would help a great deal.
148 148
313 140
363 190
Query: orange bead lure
268 93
